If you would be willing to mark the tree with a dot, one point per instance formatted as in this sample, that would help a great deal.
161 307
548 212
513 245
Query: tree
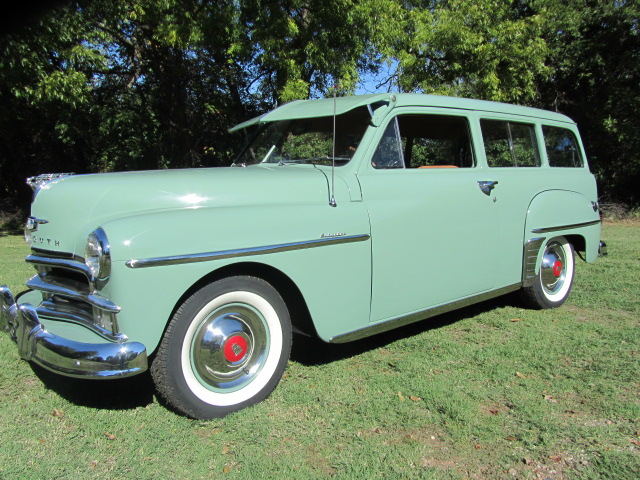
45 93
489 49
104 85
578 57
142 84
594 53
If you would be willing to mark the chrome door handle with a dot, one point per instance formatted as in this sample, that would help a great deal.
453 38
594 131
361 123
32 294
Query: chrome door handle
487 186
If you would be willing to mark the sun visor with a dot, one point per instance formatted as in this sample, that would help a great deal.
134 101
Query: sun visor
316 108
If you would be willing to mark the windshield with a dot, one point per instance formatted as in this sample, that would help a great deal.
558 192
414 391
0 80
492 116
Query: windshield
307 140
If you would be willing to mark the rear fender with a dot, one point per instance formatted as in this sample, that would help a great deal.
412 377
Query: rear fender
555 213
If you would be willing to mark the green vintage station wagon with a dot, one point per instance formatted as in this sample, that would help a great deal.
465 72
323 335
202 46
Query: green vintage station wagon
341 218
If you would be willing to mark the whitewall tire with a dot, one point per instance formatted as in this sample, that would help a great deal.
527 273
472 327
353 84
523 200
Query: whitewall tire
225 348
554 280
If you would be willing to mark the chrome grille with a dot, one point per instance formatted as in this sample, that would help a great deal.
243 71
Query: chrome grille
70 295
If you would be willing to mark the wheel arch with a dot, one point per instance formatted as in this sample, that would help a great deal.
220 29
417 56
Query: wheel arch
532 255
578 241
299 312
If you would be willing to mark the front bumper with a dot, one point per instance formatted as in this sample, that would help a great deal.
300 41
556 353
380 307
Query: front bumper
64 356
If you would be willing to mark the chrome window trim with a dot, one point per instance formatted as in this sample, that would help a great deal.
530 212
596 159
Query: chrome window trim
421 315
243 252
565 227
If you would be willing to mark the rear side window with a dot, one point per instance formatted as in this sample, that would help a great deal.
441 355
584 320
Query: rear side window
510 144
562 147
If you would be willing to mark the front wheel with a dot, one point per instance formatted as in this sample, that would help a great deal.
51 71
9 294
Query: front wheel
225 348
553 282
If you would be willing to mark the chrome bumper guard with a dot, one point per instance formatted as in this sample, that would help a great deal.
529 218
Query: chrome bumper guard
63 356
602 249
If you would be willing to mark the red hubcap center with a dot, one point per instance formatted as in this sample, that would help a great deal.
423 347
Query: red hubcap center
557 268
235 348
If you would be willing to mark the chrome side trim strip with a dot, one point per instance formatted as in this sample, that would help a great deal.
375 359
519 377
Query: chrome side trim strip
243 252
95 299
565 227
421 315
530 258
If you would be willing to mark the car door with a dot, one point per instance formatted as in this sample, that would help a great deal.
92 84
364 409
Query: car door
435 226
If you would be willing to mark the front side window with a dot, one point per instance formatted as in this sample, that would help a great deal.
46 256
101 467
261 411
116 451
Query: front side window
562 147
389 151
307 140
425 141
510 144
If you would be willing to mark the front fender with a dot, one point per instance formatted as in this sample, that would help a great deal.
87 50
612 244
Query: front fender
332 269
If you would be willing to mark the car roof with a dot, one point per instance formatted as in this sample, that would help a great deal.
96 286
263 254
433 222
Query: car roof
329 106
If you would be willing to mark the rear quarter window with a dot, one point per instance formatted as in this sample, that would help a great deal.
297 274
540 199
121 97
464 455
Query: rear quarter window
562 147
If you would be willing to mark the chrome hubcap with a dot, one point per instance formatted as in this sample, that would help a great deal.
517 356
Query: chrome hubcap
552 270
229 347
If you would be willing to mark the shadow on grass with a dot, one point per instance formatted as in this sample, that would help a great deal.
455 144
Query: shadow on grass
121 394
312 351
139 391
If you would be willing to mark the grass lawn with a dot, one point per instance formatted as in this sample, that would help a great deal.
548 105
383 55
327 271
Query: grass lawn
491 391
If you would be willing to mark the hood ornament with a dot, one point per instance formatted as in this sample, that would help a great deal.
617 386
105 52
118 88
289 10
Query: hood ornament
39 181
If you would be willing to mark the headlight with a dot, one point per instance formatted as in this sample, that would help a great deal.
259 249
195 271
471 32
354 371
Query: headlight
97 255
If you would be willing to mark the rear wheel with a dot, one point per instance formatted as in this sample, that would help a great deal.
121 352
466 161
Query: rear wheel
226 348
554 280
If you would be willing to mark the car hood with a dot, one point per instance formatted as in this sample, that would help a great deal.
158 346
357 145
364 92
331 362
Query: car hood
69 208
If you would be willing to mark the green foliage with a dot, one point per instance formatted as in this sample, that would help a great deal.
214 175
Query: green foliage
106 85
309 145
45 92
146 84
487 49
303 47
594 50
